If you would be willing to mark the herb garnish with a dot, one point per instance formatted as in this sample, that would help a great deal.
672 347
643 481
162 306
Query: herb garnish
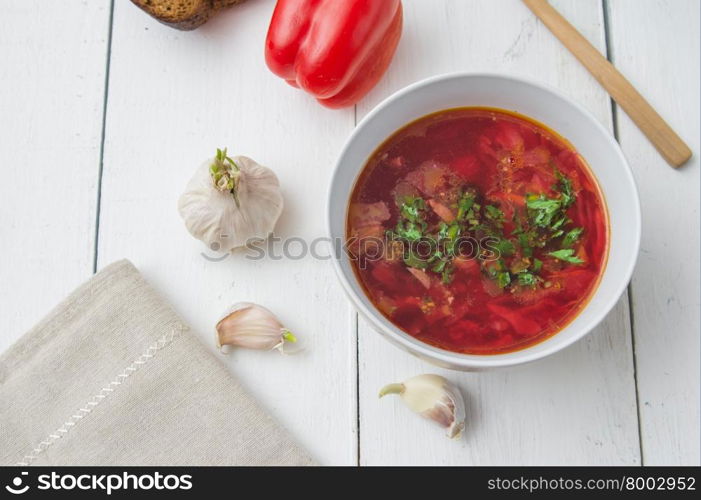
527 279
412 223
571 237
543 221
566 255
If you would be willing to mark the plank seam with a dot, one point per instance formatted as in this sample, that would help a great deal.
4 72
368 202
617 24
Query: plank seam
100 170
357 351
631 318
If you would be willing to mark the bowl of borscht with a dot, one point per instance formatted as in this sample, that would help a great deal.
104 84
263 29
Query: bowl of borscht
484 220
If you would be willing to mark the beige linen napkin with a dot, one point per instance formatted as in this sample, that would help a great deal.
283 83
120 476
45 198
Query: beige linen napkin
113 377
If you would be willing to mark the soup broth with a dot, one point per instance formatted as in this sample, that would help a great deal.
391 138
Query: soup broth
477 230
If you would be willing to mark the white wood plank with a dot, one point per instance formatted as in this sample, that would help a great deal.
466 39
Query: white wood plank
52 71
656 45
175 97
577 407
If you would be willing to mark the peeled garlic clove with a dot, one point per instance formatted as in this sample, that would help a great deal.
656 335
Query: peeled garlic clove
230 202
433 397
253 327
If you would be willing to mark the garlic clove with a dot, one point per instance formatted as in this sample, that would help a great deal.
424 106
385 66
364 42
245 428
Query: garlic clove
252 326
433 397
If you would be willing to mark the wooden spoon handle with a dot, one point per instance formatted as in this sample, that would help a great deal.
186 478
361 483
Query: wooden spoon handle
667 142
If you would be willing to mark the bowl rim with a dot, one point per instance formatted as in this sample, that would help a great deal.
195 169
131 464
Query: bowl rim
472 361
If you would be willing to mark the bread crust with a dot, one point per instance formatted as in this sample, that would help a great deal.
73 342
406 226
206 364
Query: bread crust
183 15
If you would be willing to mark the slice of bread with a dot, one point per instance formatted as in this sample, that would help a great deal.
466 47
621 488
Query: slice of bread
183 14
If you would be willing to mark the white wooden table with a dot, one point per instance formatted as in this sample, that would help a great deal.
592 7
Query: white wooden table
104 114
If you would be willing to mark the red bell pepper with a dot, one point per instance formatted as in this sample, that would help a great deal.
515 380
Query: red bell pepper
336 50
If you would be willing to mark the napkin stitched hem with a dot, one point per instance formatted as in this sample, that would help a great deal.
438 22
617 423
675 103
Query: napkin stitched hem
119 380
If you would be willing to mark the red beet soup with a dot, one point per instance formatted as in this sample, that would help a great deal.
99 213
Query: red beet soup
477 230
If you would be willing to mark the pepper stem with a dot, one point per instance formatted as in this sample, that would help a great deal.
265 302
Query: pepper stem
288 336
392 389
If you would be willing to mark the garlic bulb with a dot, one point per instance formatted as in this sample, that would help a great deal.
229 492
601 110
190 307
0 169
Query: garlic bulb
231 201
252 326
433 397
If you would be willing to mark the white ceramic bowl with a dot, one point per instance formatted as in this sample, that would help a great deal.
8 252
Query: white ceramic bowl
545 105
